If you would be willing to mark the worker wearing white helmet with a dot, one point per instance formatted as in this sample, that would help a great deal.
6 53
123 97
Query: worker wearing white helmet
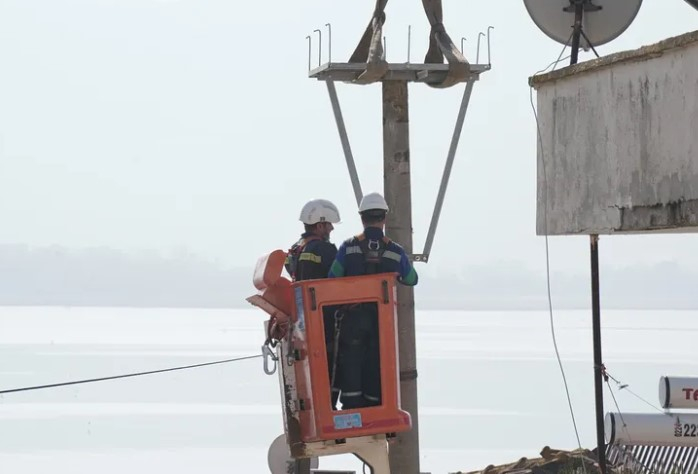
312 256
367 253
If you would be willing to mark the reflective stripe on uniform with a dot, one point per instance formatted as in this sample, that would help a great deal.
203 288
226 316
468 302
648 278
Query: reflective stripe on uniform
392 255
352 394
310 257
353 249
373 399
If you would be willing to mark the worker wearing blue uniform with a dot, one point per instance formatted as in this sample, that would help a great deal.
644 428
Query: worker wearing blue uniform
367 253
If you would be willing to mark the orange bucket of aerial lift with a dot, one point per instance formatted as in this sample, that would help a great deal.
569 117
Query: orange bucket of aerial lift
298 308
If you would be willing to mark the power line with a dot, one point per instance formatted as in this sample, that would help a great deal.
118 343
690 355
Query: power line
123 376
547 250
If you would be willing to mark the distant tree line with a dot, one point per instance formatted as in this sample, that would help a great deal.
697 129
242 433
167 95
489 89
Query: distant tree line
59 276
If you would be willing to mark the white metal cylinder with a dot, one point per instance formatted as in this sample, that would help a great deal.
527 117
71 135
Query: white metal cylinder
656 429
678 392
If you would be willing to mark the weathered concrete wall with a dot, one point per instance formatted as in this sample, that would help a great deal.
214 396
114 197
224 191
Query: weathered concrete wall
619 142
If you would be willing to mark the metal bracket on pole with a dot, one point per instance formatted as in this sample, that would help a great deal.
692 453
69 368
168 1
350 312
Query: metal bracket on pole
353 174
424 256
371 450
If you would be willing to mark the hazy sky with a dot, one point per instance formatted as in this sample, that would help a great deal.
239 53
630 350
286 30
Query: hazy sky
143 124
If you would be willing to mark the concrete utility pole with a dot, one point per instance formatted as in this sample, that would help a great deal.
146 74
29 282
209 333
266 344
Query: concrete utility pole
368 65
404 454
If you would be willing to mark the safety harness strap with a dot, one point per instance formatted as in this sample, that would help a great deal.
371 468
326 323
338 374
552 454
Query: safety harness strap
373 251
295 252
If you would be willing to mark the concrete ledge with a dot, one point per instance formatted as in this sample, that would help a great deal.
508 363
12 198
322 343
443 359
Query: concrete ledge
675 215
641 54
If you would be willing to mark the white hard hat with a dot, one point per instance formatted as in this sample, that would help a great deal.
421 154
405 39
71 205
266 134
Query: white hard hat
319 210
373 201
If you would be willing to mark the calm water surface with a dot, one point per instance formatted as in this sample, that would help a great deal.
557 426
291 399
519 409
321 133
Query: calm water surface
490 388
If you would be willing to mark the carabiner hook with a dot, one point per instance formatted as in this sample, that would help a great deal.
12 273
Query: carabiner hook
268 354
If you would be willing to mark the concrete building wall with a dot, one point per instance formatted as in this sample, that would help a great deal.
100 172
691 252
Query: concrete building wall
619 142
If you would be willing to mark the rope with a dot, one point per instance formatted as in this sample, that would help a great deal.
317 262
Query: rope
335 348
114 377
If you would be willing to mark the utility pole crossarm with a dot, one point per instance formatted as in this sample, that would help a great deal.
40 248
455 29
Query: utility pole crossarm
409 72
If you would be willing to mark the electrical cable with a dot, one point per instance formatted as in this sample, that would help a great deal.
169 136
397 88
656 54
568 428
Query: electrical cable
622 386
123 376
547 248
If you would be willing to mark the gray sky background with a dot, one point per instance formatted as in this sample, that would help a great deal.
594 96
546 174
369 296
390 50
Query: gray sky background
191 126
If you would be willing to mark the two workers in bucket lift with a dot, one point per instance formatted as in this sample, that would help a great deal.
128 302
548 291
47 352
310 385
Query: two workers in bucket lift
351 332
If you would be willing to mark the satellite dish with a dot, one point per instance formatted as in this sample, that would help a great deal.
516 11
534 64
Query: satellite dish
602 21
693 3
279 457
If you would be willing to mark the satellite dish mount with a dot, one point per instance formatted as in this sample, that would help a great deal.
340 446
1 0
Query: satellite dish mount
579 8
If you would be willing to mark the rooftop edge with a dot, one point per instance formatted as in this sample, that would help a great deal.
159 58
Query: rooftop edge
643 53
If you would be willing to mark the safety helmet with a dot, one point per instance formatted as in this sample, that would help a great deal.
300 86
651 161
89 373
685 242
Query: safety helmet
373 201
319 210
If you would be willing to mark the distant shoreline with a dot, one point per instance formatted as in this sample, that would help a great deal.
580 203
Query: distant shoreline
103 277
